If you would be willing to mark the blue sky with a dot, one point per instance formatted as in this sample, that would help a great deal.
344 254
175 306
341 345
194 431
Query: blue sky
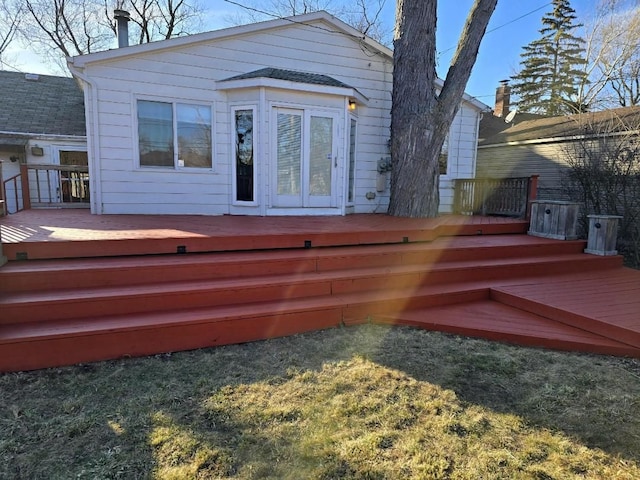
499 53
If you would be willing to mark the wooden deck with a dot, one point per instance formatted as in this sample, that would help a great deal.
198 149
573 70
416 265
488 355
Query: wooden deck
101 287
77 233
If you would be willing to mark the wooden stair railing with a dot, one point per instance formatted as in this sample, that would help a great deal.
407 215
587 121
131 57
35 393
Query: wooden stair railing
495 196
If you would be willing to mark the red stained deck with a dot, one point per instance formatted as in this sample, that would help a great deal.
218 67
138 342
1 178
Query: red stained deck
77 233
90 291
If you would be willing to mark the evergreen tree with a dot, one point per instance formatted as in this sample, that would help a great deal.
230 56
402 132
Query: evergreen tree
550 75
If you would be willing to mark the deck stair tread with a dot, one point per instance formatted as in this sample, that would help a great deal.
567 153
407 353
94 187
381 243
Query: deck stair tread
56 274
78 303
495 321
381 299
164 287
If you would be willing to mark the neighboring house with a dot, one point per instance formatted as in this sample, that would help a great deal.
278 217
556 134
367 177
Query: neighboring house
284 117
536 145
41 122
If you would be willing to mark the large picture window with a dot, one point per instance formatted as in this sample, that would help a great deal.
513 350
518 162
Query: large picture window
174 135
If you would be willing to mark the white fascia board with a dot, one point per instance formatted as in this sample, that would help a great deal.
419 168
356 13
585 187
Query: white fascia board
338 25
45 136
265 82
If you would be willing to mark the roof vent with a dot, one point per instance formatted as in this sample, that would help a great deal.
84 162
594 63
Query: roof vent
32 77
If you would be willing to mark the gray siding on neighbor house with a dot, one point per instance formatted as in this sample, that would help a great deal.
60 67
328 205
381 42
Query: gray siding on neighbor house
543 159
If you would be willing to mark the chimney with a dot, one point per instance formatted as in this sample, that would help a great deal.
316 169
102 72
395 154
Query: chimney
503 98
122 18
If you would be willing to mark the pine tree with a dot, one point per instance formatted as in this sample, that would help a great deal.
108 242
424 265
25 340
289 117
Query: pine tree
550 75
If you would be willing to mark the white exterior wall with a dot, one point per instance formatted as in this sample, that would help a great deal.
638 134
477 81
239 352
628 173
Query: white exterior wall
461 162
190 72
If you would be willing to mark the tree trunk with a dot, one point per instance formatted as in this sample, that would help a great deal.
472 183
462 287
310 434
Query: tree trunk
420 118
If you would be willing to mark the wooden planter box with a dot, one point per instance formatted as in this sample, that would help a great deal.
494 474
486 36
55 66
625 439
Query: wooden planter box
603 234
554 219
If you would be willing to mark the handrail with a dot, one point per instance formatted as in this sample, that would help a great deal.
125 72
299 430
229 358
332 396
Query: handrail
60 168
43 185
15 180
495 196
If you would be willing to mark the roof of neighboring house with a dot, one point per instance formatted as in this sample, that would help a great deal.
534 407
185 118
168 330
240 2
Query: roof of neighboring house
491 125
41 105
549 128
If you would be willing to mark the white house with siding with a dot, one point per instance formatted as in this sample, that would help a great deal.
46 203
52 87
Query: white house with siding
284 117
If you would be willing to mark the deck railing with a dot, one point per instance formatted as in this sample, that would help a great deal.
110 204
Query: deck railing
57 186
495 196
14 186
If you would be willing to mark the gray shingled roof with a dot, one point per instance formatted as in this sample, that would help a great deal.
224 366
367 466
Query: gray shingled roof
606 121
491 125
291 76
44 105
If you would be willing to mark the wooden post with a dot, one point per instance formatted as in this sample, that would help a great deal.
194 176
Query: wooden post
533 193
24 182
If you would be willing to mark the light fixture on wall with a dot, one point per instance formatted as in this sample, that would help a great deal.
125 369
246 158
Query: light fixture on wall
352 105
37 151
14 158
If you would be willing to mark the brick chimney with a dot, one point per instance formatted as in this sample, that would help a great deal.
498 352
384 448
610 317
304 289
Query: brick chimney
122 20
503 99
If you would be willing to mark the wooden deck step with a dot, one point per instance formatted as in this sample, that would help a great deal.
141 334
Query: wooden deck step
495 321
37 275
50 305
26 346
603 302
60 312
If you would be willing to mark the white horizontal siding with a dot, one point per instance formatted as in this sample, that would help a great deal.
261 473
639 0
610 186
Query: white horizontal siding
191 74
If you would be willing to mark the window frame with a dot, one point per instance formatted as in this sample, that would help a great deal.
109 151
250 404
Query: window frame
351 119
255 143
444 152
174 119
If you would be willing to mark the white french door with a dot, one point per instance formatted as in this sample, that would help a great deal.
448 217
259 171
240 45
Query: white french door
306 158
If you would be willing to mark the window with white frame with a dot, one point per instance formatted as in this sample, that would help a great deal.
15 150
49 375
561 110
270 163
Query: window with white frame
244 149
174 134
443 160
352 160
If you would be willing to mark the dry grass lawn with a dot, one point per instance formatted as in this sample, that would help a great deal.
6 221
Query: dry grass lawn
366 402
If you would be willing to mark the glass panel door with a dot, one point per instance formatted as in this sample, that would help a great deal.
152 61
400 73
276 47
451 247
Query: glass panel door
74 180
321 161
306 159
289 158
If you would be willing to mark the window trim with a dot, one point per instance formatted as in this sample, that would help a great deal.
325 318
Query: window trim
445 152
350 119
173 103
254 140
